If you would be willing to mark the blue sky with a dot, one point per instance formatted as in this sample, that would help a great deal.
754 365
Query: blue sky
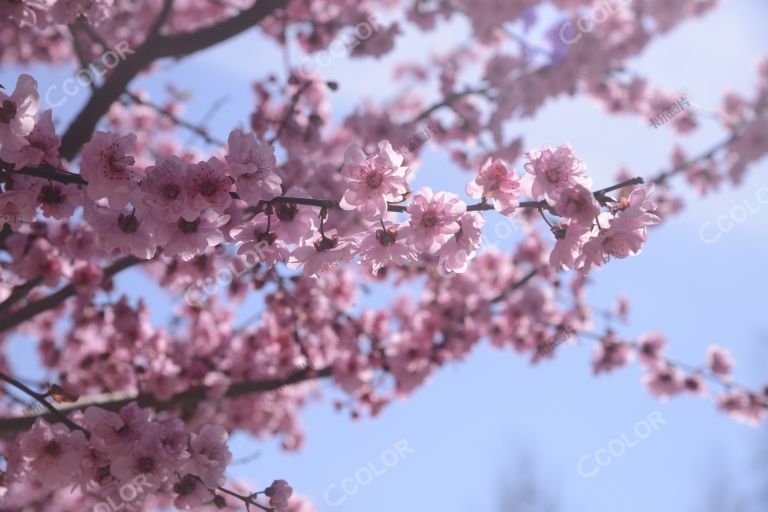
471 422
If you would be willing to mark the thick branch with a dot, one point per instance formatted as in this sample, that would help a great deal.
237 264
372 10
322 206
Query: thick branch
56 298
155 47
115 401
55 414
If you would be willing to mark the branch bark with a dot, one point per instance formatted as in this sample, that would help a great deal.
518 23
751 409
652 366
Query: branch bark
56 298
156 47
193 396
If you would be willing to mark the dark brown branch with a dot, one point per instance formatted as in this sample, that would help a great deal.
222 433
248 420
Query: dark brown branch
115 401
156 47
18 293
56 298
448 101
55 414
75 179
662 177
522 282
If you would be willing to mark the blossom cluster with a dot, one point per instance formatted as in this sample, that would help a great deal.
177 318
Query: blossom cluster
337 194
184 208
666 379
113 449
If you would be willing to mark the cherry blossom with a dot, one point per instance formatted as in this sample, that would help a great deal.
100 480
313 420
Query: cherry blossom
40 145
434 218
190 237
108 169
374 180
496 182
549 172
165 191
207 187
385 246
17 113
719 362
253 165
306 208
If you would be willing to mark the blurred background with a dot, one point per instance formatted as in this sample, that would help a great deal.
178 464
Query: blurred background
495 433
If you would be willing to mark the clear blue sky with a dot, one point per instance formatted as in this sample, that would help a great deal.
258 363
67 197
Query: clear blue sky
468 426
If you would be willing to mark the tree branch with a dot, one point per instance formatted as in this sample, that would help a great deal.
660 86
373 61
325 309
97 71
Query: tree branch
193 396
56 298
155 47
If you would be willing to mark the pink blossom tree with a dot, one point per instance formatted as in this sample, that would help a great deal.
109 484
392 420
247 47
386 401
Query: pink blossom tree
305 212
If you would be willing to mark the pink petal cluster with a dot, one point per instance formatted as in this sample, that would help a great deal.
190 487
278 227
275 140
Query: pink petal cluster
373 180
109 169
17 112
550 171
434 219
253 165
496 182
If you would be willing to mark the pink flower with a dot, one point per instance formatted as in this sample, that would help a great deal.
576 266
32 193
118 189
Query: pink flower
96 11
382 247
128 231
327 253
26 13
116 433
622 235
611 354
291 223
57 200
462 246
651 350
744 406
54 453
42 144
571 237
496 182
434 218
279 493
253 166
664 382
17 112
86 279
577 203
17 207
720 362
187 238
173 441
164 189
191 493
259 245
209 455
373 180
207 187
695 384
550 172
143 460
108 169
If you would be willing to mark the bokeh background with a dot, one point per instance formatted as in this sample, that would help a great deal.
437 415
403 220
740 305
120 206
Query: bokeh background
494 433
